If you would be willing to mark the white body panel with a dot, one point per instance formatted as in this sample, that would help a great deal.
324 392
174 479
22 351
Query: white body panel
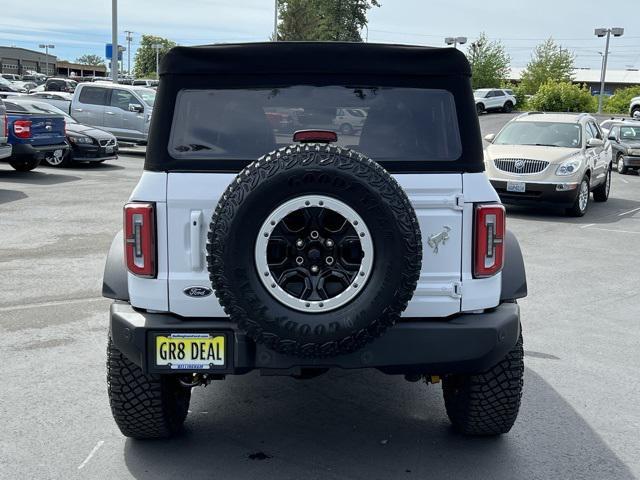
443 202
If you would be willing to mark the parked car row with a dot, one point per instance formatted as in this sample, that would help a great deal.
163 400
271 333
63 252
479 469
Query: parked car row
33 131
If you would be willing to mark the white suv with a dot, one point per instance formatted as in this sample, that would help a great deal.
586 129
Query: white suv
249 248
494 99
550 159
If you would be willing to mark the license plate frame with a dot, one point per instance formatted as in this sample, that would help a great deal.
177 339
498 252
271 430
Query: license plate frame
155 367
516 186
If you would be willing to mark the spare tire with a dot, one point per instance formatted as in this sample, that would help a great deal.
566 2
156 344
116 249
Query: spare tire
314 250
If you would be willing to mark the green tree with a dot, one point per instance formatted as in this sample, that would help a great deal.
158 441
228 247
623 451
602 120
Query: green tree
620 101
90 59
489 61
549 62
145 59
337 20
563 97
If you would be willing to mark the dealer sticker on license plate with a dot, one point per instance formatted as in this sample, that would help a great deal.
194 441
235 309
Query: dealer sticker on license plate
518 187
190 350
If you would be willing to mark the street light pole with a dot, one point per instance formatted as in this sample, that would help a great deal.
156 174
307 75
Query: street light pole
46 47
115 49
129 38
157 47
275 22
605 32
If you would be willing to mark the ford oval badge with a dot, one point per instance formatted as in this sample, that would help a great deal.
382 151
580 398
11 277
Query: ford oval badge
197 292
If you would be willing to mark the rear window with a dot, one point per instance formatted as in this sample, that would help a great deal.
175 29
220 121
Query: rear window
93 96
384 123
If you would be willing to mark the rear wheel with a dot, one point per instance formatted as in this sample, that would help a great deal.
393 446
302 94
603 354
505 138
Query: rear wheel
601 193
479 108
486 403
508 107
25 164
579 207
144 406
620 167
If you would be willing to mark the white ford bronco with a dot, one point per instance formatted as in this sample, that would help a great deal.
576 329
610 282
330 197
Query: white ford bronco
261 236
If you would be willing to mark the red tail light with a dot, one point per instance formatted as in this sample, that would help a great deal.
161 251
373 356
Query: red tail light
22 128
321 136
140 239
489 240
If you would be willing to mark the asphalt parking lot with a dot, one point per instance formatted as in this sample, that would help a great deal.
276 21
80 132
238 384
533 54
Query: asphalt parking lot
579 419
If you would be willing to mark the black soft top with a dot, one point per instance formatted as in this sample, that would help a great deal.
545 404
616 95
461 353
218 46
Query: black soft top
280 64
315 58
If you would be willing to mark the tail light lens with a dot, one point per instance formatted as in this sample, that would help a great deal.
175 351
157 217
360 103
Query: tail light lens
140 239
22 128
489 240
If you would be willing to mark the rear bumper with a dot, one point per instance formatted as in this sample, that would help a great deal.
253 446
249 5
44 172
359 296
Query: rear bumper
463 344
5 150
35 151
540 194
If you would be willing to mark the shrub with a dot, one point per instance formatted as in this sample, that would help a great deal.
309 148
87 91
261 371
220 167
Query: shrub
619 103
563 97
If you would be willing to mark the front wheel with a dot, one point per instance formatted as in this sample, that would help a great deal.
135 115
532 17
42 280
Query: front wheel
620 166
601 193
144 406
59 159
486 403
25 164
579 207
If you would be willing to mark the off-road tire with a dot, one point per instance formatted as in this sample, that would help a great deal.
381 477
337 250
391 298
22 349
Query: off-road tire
620 167
144 406
296 171
486 403
575 210
601 192
25 165
508 107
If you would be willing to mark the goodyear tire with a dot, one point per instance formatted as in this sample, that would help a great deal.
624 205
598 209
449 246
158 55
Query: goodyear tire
486 403
314 250
144 406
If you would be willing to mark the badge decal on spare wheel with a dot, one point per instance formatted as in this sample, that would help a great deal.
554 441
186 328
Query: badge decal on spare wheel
197 292
436 239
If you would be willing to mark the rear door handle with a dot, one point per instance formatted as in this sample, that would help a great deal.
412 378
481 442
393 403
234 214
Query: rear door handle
195 227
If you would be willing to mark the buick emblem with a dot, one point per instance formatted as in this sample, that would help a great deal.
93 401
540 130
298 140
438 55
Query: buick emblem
519 164
197 292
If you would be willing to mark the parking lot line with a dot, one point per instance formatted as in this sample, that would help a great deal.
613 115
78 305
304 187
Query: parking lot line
50 304
630 211
614 230
91 454
588 225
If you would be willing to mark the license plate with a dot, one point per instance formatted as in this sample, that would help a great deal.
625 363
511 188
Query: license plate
518 187
190 351
108 149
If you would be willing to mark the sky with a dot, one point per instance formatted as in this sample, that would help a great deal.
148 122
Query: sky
77 27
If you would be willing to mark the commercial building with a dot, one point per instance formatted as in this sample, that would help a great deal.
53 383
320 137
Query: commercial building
69 69
615 79
19 61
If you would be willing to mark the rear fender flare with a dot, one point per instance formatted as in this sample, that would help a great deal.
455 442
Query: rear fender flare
514 278
115 283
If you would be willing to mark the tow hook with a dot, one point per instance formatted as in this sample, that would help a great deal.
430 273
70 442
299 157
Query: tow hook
195 380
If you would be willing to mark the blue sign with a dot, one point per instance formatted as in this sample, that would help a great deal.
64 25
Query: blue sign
108 51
